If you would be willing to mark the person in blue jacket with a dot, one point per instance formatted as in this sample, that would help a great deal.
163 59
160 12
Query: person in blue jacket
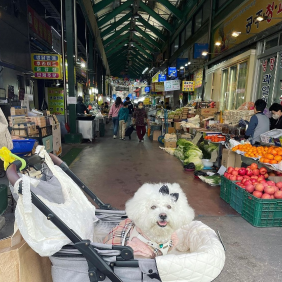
259 123
123 117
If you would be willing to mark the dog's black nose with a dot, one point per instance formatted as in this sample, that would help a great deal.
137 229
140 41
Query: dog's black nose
163 216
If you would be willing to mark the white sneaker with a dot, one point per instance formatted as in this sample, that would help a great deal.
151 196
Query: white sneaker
114 137
142 141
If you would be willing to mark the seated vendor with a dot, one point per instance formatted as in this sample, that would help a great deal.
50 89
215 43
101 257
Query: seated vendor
81 109
276 120
259 123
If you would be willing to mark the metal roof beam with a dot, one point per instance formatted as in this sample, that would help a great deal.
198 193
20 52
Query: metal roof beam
114 13
116 24
148 37
171 8
141 57
117 48
152 28
116 42
101 5
149 56
158 18
116 34
143 42
119 60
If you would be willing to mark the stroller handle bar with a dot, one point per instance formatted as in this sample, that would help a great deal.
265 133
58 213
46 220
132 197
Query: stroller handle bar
95 262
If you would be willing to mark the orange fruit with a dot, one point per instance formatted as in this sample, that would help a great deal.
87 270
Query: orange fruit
278 158
266 160
269 156
273 162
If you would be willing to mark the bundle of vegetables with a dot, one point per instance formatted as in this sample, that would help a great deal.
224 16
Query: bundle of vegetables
200 173
191 153
207 149
211 180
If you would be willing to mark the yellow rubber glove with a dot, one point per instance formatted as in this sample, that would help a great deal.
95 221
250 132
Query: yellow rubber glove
6 157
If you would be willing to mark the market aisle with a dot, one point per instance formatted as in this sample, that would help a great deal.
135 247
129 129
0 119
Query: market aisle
115 169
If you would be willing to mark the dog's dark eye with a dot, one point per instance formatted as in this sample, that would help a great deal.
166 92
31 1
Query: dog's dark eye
153 207
169 207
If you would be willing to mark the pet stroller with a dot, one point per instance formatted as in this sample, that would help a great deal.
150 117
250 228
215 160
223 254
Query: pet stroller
129 131
201 259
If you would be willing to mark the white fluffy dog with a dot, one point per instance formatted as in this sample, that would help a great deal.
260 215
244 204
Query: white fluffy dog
154 213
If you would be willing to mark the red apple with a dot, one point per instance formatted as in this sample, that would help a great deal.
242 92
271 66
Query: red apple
230 169
247 182
246 176
250 188
271 183
249 172
232 178
259 187
269 190
266 196
272 174
242 171
253 166
257 194
225 174
237 168
255 171
276 188
279 185
263 170
239 178
278 195
272 196
234 172
266 175
254 177
260 178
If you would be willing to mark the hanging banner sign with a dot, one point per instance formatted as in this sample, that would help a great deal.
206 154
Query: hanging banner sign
155 78
159 86
171 85
46 66
243 20
162 77
39 26
198 78
172 72
188 86
56 101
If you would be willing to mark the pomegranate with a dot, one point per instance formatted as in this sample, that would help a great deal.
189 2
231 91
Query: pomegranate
278 195
234 172
269 190
253 166
242 171
230 169
250 188
255 171
266 196
257 194
259 187
279 185
263 170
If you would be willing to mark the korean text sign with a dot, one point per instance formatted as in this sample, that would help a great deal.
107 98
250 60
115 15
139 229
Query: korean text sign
56 101
243 20
188 86
46 66
171 85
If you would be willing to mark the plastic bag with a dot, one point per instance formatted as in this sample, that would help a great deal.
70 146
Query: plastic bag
76 212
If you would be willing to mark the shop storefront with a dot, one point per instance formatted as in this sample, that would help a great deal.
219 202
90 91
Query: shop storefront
230 82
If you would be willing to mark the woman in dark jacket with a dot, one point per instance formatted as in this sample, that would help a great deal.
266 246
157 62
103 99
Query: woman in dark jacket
140 117
276 119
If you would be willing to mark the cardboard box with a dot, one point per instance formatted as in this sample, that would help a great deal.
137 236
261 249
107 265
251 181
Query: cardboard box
177 126
170 144
156 135
206 112
228 158
238 160
171 130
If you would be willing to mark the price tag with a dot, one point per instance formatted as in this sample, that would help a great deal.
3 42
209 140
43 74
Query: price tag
197 138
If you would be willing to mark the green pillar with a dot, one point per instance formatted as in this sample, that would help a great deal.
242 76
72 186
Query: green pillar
72 137
91 60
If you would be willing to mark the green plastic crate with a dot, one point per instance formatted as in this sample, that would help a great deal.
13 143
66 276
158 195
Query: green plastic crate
262 212
225 189
237 197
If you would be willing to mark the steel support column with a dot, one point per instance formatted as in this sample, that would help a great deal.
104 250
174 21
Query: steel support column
73 137
91 60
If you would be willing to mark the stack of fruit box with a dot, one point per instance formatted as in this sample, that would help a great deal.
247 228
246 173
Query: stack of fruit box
185 113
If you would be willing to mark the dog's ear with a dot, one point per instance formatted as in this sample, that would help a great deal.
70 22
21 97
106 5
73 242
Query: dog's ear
164 190
174 196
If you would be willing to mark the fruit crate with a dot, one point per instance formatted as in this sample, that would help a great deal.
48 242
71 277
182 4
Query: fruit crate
262 212
237 197
225 189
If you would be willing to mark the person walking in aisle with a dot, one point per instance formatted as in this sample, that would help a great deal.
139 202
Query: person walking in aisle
123 116
131 110
114 114
140 117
